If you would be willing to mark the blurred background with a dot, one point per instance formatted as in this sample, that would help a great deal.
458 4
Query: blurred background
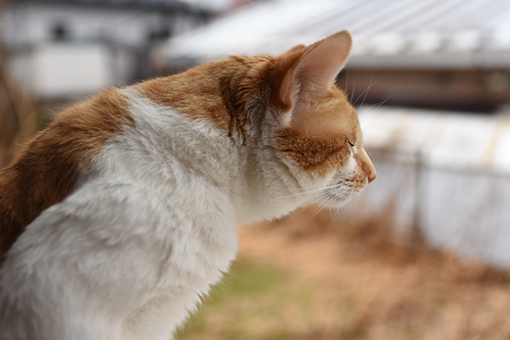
423 253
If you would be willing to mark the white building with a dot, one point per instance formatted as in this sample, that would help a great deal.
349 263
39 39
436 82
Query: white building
73 48
432 53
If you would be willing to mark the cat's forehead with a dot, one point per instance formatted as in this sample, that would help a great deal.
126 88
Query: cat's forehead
327 116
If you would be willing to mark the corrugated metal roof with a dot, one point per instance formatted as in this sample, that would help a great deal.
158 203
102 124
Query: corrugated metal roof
401 33
178 6
443 140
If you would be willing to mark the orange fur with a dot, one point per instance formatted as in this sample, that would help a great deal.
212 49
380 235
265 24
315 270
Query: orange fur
321 133
46 172
321 155
218 92
327 115
211 92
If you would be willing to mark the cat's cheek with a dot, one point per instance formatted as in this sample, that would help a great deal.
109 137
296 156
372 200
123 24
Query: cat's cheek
351 166
357 177
359 180
351 183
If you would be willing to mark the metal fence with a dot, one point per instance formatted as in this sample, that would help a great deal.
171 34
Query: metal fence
464 211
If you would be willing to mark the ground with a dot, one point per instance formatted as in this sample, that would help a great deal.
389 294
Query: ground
312 278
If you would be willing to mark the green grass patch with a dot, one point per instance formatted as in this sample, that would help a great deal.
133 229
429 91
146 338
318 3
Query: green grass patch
249 300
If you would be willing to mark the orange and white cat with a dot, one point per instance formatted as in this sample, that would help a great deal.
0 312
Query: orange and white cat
120 215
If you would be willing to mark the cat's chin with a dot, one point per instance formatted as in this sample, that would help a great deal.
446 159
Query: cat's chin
335 201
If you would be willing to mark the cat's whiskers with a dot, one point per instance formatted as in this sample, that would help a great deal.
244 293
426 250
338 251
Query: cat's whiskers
313 189
352 92
365 92
384 101
310 189
368 113
346 80
322 205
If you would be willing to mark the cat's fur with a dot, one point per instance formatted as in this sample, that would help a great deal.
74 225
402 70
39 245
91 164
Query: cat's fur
121 214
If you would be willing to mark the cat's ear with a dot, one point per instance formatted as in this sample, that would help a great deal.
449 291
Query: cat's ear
295 49
317 67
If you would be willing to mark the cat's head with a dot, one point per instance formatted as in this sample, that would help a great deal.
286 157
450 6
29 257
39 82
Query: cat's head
311 124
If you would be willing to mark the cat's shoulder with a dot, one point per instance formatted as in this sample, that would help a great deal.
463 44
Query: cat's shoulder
46 171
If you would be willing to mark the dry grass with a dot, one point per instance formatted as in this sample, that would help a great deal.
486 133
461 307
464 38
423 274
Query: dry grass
18 118
352 282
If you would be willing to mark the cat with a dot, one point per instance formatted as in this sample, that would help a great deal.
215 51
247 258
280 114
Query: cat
118 217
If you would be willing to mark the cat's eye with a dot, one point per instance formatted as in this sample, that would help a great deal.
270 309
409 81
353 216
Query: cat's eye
350 143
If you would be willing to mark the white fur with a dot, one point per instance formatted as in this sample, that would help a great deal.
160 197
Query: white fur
151 225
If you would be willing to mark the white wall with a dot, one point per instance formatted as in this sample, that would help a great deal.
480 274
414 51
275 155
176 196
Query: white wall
446 173
34 23
468 212
462 211
67 70
99 49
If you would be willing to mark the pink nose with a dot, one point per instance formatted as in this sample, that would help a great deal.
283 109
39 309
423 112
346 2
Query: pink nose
371 177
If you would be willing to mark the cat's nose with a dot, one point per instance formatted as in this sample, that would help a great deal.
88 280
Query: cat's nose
372 176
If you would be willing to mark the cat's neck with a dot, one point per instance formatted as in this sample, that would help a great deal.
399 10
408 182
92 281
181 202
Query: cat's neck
255 180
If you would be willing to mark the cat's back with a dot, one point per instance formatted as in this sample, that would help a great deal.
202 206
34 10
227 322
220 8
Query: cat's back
133 121
47 170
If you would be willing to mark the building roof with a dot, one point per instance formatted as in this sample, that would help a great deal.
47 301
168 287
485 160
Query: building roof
182 6
387 34
446 140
